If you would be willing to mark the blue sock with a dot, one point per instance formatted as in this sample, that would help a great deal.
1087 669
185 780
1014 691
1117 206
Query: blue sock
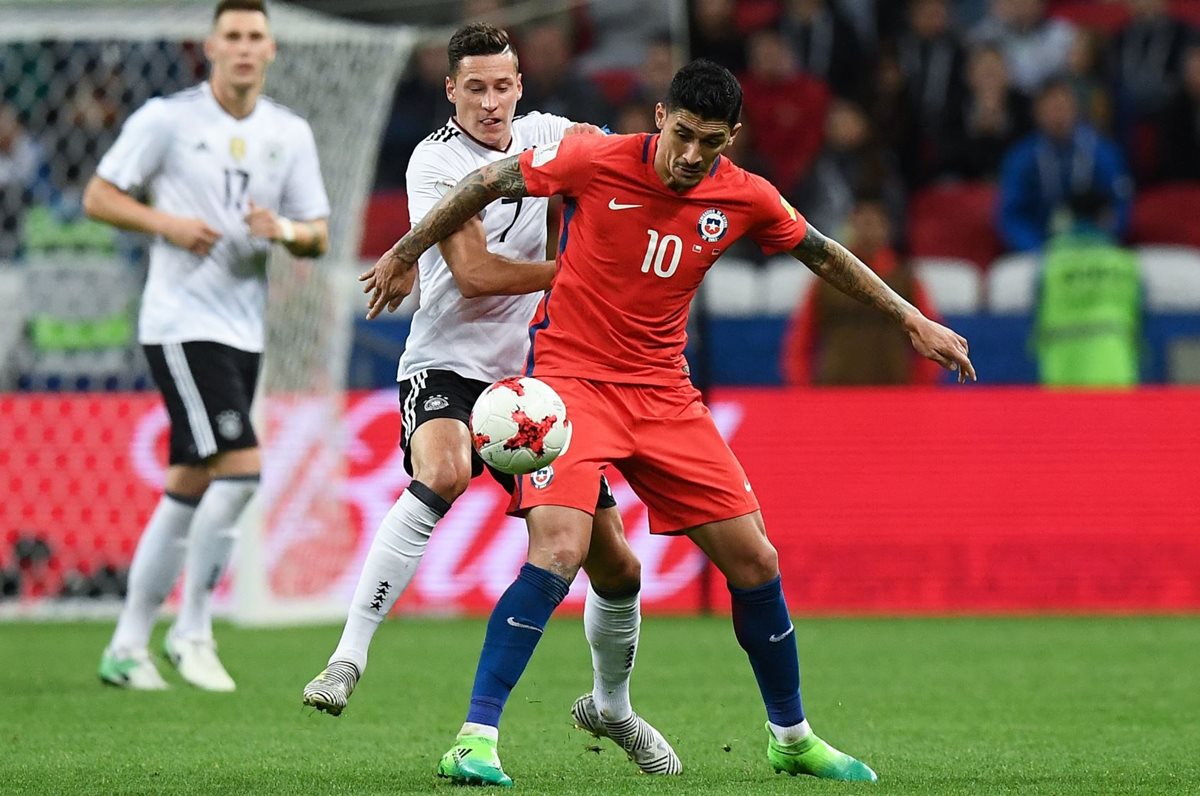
765 631
513 632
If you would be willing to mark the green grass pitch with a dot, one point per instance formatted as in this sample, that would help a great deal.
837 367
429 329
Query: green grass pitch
937 706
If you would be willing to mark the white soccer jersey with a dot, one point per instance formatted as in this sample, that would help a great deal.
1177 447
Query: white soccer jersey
477 338
198 161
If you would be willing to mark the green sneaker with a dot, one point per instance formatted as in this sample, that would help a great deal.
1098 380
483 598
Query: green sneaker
814 757
473 761
130 669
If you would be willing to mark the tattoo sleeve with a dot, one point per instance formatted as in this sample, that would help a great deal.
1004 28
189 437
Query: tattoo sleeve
834 263
472 193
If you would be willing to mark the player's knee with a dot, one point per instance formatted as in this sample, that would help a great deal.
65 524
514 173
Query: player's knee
447 480
753 567
763 563
619 574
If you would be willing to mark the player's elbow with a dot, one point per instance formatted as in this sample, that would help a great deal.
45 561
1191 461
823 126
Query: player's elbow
93 199
470 286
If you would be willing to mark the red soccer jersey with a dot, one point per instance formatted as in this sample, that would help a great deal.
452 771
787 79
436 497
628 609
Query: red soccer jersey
633 252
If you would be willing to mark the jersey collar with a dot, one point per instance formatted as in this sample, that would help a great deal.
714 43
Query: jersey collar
480 144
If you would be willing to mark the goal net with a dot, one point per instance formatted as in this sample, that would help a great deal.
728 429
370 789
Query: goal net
71 73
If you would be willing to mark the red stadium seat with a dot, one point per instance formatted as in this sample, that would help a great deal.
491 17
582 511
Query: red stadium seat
385 222
1107 18
1186 11
955 221
616 85
1167 214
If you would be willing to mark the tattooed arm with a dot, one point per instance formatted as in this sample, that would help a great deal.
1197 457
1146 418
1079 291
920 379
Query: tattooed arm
834 263
391 278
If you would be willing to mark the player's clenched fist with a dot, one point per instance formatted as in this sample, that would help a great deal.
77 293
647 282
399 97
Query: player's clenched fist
388 281
192 234
263 223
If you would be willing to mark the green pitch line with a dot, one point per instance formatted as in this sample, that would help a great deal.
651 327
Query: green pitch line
936 706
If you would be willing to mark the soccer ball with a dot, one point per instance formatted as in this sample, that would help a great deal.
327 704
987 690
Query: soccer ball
520 425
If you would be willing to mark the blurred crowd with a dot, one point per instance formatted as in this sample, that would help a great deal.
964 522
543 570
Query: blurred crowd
847 99
856 110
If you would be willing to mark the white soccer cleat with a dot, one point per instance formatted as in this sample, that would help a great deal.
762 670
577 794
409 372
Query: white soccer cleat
331 689
130 669
645 745
197 662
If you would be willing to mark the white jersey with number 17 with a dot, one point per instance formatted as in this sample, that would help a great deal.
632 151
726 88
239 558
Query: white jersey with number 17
477 338
198 161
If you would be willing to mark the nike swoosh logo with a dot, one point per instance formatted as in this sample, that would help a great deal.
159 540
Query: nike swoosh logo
512 620
772 639
612 205
747 485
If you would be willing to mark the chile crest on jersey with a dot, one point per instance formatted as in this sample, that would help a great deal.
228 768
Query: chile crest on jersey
713 225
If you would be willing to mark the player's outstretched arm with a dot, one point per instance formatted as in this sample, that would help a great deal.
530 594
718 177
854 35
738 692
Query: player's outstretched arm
834 263
477 271
389 281
106 202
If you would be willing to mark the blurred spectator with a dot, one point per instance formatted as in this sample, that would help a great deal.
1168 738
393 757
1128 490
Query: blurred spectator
833 339
1084 74
714 34
634 116
989 120
419 105
623 29
930 60
852 163
1179 155
826 46
890 109
24 179
1035 47
552 81
1088 327
492 11
1146 57
779 109
657 69
1063 158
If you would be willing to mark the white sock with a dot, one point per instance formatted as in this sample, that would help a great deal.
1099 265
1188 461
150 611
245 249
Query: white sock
391 562
791 735
156 564
611 626
486 730
214 530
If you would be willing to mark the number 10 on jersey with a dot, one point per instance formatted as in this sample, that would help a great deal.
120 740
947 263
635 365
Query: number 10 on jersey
656 254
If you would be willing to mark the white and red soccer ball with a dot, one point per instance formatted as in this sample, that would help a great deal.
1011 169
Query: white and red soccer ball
520 425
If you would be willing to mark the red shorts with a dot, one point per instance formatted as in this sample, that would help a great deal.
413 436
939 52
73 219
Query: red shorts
662 439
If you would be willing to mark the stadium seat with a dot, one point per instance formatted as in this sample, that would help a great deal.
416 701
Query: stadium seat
1012 284
1171 275
1167 214
733 289
1186 11
955 221
955 286
616 85
1105 18
386 220
785 279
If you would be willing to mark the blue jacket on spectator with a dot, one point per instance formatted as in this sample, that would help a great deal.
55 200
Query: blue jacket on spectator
1040 175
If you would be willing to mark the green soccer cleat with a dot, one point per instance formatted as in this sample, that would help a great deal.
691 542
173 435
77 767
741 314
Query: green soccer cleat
814 757
473 761
130 669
